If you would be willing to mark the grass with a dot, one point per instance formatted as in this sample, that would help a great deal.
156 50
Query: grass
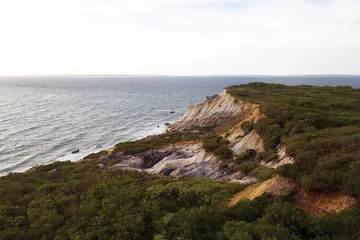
153 142
96 155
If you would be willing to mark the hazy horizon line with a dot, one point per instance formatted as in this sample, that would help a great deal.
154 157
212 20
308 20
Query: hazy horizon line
165 75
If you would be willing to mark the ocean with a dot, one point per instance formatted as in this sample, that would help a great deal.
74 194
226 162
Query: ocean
43 119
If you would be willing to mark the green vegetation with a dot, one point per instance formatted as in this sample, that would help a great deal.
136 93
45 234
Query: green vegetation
255 169
247 167
96 155
248 155
67 200
153 142
247 127
267 156
248 164
320 127
77 201
217 145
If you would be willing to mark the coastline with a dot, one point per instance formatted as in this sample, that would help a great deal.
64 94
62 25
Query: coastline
83 153
79 156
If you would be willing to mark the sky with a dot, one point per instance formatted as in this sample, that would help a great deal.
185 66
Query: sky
179 37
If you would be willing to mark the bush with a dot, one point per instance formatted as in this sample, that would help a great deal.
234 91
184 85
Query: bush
218 145
247 127
263 173
288 170
286 215
246 210
238 230
248 167
224 153
267 156
247 155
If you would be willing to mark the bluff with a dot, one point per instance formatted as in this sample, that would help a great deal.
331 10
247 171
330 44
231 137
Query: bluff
220 115
257 161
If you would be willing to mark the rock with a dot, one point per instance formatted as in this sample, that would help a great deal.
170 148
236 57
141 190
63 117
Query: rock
151 158
167 171
76 151
166 124
282 157
102 166
105 158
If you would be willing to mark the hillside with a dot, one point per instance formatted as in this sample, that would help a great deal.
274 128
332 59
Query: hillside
258 161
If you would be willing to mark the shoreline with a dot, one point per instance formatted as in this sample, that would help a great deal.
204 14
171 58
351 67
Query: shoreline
109 147
79 156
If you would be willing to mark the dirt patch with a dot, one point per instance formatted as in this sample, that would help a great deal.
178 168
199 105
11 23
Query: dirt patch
277 185
317 203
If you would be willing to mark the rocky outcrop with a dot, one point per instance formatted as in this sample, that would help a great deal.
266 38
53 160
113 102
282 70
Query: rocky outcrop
239 140
212 112
250 141
243 179
282 157
151 158
185 159
178 160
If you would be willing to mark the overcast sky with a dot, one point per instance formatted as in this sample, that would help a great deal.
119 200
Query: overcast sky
179 37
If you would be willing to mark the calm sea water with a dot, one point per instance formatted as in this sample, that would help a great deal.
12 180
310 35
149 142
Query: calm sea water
43 119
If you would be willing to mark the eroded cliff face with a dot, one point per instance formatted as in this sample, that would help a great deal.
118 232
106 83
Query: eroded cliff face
177 160
220 110
189 159
277 185
214 111
282 157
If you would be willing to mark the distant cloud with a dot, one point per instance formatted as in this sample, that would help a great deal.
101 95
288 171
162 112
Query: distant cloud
179 36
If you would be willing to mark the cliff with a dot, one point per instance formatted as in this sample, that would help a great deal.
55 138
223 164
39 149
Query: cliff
213 112
222 115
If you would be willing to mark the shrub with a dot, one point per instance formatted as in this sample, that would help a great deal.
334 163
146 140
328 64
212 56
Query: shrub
247 155
217 145
213 142
247 127
288 170
224 153
248 167
246 210
263 173
267 156
238 230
